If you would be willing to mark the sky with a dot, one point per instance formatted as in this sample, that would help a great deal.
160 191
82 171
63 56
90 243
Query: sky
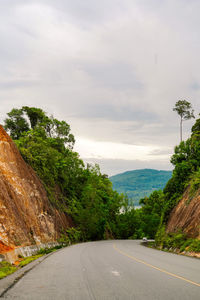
112 69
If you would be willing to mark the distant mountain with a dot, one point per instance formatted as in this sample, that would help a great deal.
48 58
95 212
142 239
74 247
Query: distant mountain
140 183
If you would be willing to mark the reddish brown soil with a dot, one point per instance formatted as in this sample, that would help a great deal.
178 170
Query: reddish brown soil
4 248
186 215
26 215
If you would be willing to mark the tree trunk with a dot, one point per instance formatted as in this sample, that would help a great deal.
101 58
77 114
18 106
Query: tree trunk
181 125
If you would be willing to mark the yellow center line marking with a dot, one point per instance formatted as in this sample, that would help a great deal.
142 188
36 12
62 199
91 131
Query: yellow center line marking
154 267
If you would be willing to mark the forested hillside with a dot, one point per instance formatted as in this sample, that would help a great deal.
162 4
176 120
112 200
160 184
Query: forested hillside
137 184
86 195
181 207
79 191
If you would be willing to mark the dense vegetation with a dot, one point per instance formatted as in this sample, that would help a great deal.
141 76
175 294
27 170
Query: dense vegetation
85 194
6 269
138 184
80 191
186 161
176 242
186 173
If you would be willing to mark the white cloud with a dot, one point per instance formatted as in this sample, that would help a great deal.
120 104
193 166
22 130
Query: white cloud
90 149
108 150
112 69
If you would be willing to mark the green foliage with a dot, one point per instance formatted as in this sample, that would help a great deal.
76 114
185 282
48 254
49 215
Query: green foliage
194 185
186 174
21 121
98 205
16 123
6 269
160 236
46 144
35 115
29 259
47 250
99 212
184 109
74 235
83 192
193 246
138 184
196 128
186 160
127 224
176 241
151 213
144 222
169 241
70 236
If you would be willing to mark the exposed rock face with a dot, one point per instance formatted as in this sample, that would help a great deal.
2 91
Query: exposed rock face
26 216
186 215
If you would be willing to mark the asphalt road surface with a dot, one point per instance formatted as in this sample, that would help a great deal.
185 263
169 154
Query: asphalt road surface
111 270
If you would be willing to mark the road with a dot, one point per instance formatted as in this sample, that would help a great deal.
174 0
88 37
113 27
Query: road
111 270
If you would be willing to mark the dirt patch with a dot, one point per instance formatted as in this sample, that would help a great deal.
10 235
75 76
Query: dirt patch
26 215
3 135
186 216
4 248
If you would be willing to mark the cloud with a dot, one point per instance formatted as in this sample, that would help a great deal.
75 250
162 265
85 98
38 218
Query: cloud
116 166
99 149
112 69
114 75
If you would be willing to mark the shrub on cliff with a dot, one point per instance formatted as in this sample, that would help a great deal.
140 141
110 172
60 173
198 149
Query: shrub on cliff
82 191
177 241
186 161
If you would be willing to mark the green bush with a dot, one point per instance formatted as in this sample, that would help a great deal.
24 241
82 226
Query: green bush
195 246
70 236
28 260
178 241
6 269
44 251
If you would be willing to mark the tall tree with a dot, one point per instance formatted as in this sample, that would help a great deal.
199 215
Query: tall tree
20 121
35 115
16 124
185 111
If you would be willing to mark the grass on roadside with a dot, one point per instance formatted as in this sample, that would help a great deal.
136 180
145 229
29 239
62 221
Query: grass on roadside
44 251
28 260
7 268
176 242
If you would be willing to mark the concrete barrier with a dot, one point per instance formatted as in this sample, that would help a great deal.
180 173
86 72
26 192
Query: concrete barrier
14 255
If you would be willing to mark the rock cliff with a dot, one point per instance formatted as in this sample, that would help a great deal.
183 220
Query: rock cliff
186 215
26 216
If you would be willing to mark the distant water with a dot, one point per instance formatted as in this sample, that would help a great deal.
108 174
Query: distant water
137 206
130 208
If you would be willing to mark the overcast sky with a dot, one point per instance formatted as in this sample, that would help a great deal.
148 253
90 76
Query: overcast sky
112 69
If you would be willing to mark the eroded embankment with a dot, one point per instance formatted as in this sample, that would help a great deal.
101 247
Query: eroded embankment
26 216
186 215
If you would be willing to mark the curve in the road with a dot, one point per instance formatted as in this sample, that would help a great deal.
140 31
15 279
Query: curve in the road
154 267
101 271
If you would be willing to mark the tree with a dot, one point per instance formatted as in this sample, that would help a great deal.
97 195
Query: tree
83 193
35 115
185 111
21 121
16 124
